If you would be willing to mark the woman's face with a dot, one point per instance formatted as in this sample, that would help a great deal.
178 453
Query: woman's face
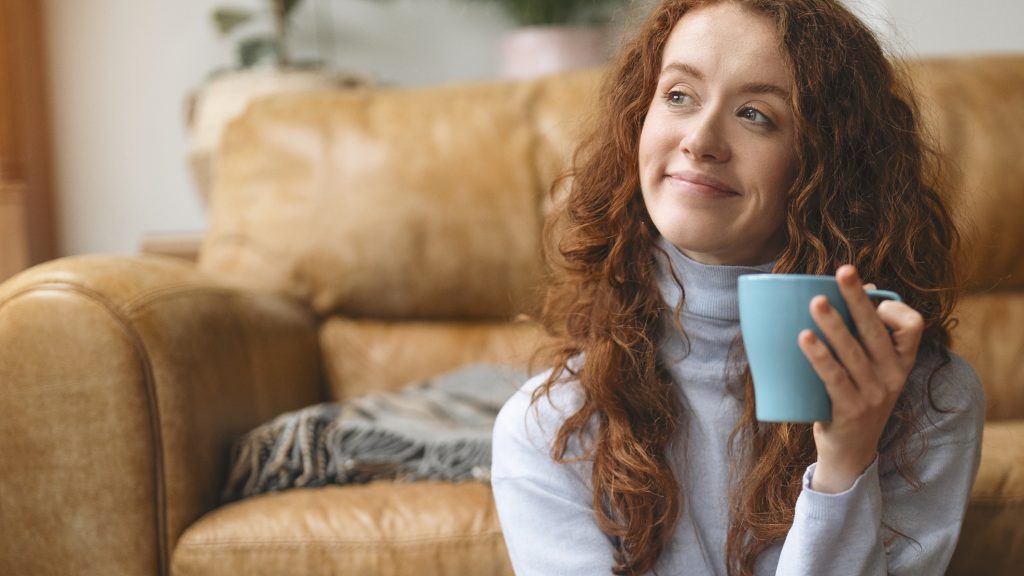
718 150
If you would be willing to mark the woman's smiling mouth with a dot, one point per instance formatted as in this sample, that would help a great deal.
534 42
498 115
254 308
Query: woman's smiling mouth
697 184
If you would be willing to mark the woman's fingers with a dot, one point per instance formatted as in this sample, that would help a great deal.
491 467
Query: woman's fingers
874 336
847 350
840 388
907 326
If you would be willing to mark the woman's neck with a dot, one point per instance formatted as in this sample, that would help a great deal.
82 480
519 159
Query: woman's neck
710 290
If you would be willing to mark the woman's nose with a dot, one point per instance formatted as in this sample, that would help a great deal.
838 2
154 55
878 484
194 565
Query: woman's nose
704 139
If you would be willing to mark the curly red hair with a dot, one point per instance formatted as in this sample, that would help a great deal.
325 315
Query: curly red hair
864 195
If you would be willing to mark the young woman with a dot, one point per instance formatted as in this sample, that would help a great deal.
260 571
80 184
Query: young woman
740 137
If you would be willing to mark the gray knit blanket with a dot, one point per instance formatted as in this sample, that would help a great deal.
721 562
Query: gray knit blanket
436 429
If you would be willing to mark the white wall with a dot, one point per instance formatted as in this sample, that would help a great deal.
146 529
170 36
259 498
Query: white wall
118 73
120 70
915 28
940 28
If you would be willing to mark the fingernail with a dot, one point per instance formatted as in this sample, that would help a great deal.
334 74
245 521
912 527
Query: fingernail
822 302
849 273
810 337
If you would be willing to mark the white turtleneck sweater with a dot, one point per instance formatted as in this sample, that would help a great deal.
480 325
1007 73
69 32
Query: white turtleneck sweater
545 507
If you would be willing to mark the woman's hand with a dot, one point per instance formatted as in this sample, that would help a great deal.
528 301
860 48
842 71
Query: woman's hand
863 378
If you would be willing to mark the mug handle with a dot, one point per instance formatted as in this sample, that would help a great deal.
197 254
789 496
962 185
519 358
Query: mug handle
884 295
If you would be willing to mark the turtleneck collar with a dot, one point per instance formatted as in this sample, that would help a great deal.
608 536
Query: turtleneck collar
710 289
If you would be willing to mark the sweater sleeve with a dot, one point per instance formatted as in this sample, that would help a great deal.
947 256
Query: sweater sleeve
544 506
882 524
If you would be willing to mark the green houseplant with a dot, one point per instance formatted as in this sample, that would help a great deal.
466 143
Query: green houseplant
255 47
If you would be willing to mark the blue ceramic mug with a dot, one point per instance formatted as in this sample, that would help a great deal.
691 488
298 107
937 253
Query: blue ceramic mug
774 309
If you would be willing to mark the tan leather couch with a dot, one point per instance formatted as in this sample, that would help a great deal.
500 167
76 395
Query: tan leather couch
357 241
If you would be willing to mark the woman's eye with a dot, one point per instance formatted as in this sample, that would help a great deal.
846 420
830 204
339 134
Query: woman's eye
678 98
755 116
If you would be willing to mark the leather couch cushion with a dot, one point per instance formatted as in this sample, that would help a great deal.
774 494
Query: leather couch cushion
991 540
990 338
367 356
384 529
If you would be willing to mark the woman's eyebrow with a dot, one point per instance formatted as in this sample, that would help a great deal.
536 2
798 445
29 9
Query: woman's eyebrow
748 88
682 67
765 88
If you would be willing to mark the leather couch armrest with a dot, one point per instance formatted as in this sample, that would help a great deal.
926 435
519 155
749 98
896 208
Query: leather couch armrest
123 382
991 540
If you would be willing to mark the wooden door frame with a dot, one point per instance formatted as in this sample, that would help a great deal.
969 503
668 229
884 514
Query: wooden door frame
27 215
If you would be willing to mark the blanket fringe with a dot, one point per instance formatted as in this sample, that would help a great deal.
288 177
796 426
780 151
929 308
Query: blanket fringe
381 437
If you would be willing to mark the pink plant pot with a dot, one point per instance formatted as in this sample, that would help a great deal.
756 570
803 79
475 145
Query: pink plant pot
538 50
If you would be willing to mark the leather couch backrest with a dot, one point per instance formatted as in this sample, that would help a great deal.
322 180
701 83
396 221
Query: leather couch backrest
393 204
975 107
427 204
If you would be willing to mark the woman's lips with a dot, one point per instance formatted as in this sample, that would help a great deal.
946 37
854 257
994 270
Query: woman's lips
698 184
